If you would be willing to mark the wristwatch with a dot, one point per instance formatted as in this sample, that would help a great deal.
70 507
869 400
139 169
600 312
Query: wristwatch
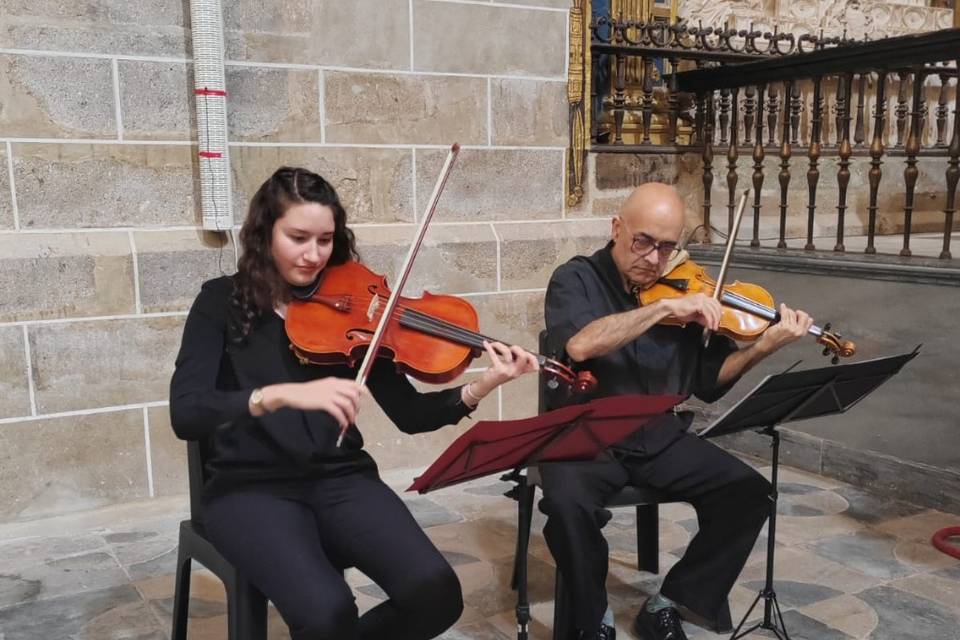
256 400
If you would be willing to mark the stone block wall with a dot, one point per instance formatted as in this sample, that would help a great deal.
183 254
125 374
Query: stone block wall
101 252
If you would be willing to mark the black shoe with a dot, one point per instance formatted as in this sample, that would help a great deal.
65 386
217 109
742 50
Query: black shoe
605 633
661 625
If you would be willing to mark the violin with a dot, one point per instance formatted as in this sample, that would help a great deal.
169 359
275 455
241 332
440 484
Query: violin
747 308
433 338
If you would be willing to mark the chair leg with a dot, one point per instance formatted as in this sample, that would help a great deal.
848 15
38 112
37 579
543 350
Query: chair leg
181 596
246 612
648 537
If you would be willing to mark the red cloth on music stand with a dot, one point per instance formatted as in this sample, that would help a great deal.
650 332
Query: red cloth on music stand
577 432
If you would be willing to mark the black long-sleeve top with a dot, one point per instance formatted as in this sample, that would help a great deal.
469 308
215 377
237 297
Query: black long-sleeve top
664 360
213 380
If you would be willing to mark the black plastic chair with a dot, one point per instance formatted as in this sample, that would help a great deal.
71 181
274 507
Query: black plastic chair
645 500
246 606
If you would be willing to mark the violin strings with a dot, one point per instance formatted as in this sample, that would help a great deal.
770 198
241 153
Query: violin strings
765 312
751 306
438 327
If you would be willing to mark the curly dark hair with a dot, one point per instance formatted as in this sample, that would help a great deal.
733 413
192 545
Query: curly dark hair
258 286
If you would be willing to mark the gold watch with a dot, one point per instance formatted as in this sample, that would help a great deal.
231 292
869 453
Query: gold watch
256 400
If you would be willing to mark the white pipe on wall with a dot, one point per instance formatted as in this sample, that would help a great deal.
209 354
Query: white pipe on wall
206 23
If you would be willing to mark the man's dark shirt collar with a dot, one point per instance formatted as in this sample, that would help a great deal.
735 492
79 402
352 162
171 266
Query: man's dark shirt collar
602 261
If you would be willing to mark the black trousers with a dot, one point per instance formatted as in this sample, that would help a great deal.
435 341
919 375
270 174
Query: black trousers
293 545
730 498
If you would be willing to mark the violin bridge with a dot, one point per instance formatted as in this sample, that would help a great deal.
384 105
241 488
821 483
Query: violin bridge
372 309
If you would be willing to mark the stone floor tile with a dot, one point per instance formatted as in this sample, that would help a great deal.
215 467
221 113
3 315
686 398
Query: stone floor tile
495 594
803 565
922 556
796 489
847 613
60 577
932 587
802 627
867 552
793 595
952 572
905 615
145 548
24 552
482 630
485 537
795 530
811 504
116 612
676 511
430 514
868 507
791 475
919 527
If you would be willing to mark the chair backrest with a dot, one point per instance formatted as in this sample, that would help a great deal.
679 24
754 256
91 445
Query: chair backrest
548 398
542 385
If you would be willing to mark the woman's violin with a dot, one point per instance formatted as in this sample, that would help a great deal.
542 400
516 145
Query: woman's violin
748 309
433 339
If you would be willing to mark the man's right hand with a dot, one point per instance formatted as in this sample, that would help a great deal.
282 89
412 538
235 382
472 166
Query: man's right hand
695 307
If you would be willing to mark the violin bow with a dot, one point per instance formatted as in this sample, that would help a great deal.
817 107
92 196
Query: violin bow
391 303
727 254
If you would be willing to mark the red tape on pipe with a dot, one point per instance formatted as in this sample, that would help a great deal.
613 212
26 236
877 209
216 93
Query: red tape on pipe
941 540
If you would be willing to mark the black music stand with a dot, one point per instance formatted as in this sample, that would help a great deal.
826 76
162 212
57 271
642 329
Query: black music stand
786 397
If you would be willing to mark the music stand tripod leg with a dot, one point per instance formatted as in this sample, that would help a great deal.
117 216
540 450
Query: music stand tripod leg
524 494
768 594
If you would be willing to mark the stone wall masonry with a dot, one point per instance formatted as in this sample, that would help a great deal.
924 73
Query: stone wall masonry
389 108
96 26
71 463
8 220
101 251
14 386
76 186
55 275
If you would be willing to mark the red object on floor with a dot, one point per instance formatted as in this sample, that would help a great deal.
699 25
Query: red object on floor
577 432
941 540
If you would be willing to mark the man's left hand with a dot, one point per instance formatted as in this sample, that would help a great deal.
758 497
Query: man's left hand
793 325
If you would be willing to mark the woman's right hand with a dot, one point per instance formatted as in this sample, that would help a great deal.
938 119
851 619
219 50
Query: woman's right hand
339 397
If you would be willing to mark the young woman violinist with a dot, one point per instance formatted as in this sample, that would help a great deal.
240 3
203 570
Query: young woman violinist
283 503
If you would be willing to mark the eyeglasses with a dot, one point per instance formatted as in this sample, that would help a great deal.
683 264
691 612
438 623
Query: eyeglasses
643 245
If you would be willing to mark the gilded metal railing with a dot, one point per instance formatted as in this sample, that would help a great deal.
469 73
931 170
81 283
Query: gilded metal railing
730 94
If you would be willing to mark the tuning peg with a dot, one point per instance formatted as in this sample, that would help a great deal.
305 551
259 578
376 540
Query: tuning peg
826 327
835 359
826 351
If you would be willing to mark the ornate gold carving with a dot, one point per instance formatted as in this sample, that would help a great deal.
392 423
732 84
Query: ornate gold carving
578 78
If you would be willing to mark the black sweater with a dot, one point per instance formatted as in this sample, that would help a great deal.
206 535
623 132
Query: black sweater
213 380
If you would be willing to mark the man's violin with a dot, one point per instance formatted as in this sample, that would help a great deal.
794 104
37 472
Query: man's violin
434 338
747 308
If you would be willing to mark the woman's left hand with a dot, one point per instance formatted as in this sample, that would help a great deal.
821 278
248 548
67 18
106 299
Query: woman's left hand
506 363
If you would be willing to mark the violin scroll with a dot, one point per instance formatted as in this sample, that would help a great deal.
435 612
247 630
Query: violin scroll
833 343
558 374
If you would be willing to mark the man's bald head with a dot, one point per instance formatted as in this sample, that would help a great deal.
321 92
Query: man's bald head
651 216
654 204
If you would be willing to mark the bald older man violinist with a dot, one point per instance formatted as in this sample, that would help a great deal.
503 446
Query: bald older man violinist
592 313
